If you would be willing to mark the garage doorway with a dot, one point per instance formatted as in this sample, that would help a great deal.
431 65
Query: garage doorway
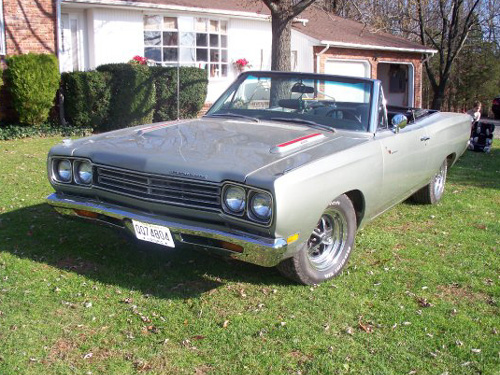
397 82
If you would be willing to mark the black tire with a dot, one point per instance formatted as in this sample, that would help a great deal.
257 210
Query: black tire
327 250
432 192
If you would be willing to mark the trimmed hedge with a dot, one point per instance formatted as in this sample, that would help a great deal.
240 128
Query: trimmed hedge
132 95
192 93
33 82
87 97
121 95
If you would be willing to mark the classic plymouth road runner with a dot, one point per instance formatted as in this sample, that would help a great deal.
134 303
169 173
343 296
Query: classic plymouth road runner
282 171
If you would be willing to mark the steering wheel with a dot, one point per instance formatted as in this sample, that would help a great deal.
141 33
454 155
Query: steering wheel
348 115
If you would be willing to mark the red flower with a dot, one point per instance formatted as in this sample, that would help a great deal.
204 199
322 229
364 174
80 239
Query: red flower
139 60
241 62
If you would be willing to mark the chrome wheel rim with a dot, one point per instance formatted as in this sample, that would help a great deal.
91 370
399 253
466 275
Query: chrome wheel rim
328 240
439 181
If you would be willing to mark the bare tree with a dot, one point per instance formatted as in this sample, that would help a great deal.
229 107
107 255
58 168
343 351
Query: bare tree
282 14
444 25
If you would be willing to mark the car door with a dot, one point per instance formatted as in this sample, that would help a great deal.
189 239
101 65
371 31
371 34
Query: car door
404 159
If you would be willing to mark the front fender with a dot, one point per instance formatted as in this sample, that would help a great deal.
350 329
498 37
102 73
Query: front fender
303 194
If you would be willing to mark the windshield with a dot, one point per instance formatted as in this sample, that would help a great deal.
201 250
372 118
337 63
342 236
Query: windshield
334 102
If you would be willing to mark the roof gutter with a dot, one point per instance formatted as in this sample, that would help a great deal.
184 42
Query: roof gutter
379 48
167 7
319 54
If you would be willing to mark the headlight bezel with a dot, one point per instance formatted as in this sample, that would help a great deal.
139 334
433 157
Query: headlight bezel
252 212
77 164
247 215
227 207
74 179
56 174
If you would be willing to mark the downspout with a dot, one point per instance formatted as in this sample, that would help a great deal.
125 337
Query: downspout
60 96
58 31
428 57
319 54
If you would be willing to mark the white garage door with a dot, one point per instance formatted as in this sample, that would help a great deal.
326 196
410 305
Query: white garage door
348 68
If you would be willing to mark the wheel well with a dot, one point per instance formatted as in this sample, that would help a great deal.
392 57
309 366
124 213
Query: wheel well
451 159
358 201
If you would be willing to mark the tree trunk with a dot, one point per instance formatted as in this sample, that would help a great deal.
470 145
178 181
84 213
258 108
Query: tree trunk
281 42
438 97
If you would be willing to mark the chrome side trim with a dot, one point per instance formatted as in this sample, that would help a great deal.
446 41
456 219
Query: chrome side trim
258 250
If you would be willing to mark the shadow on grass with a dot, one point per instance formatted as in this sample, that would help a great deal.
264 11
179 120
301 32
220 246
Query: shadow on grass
101 254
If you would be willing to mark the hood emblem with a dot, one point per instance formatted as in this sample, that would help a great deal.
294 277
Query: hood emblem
188 175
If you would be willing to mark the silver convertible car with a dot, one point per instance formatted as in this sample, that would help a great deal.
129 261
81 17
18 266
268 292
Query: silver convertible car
282 171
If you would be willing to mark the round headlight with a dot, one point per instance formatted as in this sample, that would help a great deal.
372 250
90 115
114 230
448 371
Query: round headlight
261 206
63 170
234 198
84 172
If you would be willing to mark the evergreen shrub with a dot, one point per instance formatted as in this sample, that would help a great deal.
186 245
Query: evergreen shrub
33 81
132 95
193 91
87 97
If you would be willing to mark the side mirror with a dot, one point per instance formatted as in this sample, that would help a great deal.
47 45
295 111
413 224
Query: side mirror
399 121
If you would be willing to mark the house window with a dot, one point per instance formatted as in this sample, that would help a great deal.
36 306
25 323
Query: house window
2 30
188 41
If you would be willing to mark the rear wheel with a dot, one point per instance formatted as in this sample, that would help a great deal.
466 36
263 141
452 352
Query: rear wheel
327 249
432 193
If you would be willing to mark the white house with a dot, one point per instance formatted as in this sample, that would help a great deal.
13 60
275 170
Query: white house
212 35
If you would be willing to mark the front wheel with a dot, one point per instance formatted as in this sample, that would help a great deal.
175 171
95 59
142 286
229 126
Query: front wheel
328 247
432 192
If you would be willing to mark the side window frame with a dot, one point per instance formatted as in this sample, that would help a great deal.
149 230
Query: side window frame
382 118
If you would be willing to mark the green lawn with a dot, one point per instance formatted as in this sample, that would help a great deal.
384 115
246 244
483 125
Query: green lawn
420 295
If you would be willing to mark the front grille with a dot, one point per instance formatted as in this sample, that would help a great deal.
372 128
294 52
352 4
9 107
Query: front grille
172 190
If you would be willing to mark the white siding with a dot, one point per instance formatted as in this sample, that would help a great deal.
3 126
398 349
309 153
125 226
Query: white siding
304 47
117 36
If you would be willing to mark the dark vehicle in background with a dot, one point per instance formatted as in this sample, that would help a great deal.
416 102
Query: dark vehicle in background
495 108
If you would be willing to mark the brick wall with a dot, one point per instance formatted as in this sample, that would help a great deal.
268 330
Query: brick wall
30 26
374 58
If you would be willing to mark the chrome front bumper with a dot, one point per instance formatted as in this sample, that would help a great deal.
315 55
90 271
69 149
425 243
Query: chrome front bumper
263 251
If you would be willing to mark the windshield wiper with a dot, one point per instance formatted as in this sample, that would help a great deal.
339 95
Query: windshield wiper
304 122
229 114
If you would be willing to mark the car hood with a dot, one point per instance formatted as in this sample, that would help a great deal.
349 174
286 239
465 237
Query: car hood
207 149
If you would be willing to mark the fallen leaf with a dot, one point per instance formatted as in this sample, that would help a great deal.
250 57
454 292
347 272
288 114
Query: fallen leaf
423 302
198 337
365 327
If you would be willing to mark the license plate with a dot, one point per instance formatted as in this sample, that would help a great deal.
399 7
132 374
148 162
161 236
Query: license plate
153 233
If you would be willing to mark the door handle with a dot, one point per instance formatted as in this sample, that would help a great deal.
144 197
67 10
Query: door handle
425 138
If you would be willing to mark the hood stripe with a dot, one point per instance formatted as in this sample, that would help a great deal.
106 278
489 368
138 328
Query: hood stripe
300 139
